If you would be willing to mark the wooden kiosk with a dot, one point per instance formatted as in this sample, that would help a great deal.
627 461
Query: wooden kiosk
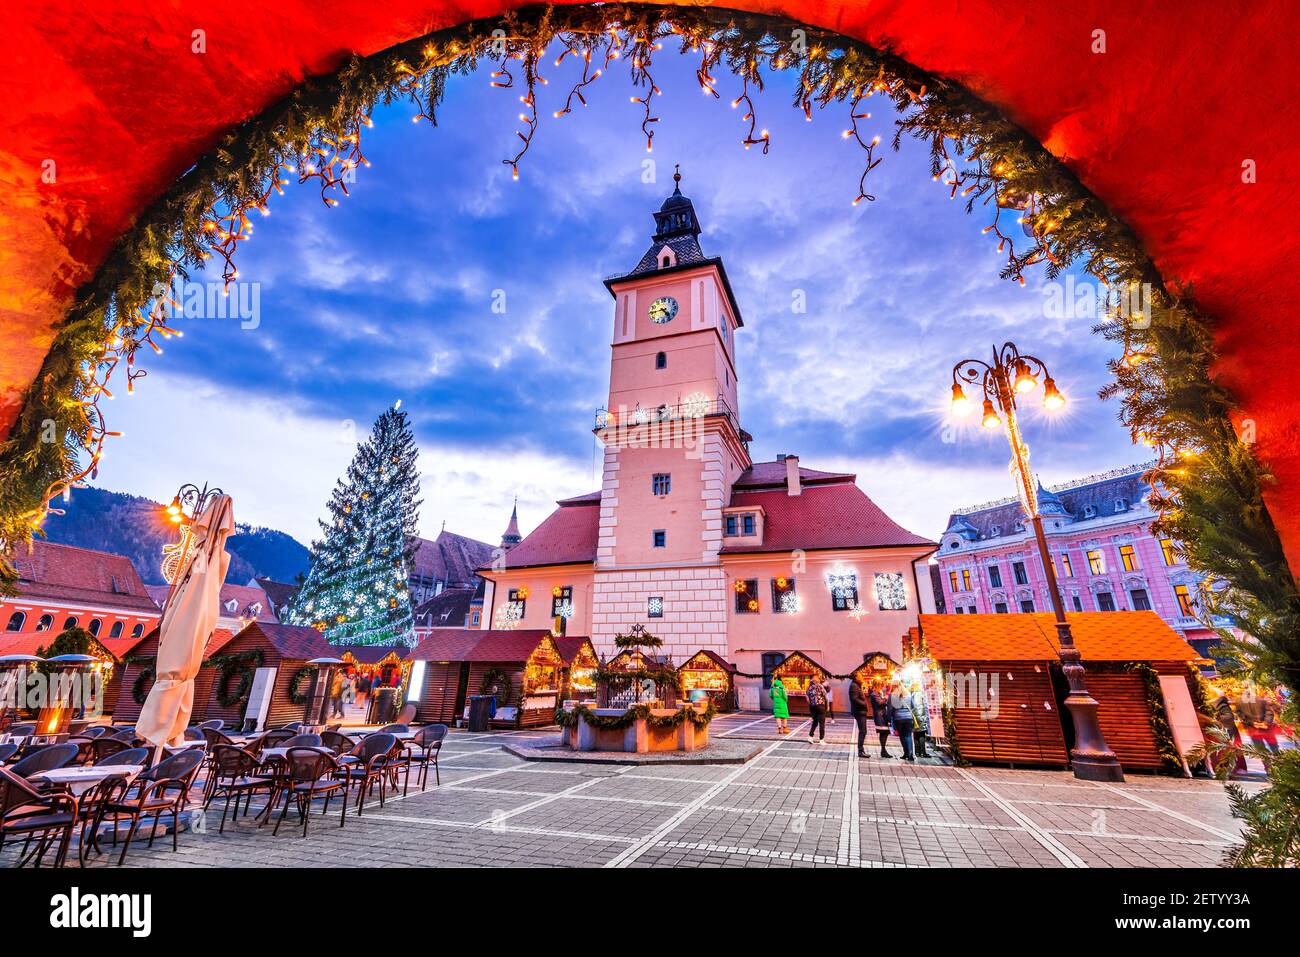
795 673
582 663
709 674
1006 689
137 677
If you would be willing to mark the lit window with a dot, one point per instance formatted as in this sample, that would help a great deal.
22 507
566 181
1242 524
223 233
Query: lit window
891 593
746 595
660 538
844 591
1186 607
1128 558
1067 568
995 576
1169 550
1096 562
654 606
785 600
517 599
562 601
952 581
662 483
965 579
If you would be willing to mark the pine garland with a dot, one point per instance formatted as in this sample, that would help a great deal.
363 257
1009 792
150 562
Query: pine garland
1210 489
618 722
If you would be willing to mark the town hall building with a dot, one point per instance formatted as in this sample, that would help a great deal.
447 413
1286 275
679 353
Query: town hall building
688 536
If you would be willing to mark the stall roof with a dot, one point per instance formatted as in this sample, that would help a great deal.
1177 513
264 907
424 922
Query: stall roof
716 658
570 645
292 641
370 654
1099 636
799 655
457 644
219 638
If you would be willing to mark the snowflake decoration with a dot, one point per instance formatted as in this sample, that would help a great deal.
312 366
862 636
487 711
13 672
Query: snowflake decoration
857 612
790 603
891 593
696 405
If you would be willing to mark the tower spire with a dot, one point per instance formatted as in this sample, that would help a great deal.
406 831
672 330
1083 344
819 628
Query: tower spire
511 538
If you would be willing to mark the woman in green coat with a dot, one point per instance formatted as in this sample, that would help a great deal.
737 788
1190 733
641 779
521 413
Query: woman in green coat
780 705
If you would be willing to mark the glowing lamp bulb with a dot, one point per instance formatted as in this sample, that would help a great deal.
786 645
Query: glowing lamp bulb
990 420
1052 398
1025 381
961 406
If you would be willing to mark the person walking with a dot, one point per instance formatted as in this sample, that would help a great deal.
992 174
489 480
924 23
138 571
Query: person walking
816 695
921 714
900 706
336 695
860 709
780 705
880 714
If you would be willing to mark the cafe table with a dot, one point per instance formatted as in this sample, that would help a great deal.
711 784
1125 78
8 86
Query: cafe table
80 779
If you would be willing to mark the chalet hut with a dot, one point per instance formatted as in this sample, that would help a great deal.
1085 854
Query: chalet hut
439 682
712 675
263 644
875 665
385 664
796 672
1005 689
581 662
137 677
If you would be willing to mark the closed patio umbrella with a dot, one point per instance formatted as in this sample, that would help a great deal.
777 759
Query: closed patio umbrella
189 616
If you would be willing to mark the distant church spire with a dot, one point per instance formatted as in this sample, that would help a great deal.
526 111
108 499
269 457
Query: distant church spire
512 537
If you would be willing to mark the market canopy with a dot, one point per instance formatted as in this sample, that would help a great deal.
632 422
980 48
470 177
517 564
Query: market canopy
1158 126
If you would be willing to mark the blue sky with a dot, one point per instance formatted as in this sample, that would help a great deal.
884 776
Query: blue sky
390 296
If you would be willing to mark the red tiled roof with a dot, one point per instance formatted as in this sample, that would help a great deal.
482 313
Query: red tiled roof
298 642
567 535
457 644
370 654
838 515
570 645
219 638
244 597
81 576
445 644
1099 636
32 642
450 558
765 474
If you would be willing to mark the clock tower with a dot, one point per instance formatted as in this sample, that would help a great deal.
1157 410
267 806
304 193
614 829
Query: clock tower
672 437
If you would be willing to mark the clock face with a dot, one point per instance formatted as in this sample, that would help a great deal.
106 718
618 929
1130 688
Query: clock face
663 310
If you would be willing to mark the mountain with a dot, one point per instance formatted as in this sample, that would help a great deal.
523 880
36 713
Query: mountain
136 527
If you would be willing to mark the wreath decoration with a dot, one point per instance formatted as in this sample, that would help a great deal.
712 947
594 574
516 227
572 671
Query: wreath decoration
497 682
140 693
296 693
241 665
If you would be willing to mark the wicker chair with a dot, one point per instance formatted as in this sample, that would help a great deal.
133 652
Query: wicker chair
371 765
100 748
162 789
214 737
28 813
215 724
309 773
424 751
126 756
22 730
48 758
276 738
394 729
95 731
337 742
302 741
235 772
7 751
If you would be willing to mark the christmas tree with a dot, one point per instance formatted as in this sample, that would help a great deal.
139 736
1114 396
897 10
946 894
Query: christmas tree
356 592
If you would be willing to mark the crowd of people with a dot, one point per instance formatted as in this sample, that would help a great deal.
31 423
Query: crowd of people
889 706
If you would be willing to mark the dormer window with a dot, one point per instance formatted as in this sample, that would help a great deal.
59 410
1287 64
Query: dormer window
666 262
1121 505
232 606
1090 511
995 531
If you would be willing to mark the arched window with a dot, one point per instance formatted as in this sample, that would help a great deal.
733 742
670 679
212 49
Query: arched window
116 630
70 623
94 626
138 630
16 621
661 360
45 623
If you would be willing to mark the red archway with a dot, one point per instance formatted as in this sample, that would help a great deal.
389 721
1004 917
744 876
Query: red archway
1158 127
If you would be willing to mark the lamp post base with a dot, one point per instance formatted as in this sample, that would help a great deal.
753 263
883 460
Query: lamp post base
1090 759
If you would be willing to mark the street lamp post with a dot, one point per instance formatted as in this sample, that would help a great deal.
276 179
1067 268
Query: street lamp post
187 505
1011 373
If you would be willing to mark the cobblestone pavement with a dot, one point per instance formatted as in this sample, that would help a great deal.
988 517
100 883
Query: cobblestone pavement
795 805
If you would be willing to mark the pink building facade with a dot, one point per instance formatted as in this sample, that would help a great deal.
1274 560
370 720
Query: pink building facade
1106 556
689 536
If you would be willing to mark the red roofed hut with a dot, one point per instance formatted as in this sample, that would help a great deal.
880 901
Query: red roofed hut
1007 691
582 662
795 672
263 644
137 677
439 684
710 673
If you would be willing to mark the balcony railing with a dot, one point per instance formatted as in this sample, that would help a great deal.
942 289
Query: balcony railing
698 406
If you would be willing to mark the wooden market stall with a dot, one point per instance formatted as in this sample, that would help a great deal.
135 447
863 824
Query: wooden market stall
264 644
137 677
795 672
581 663
1007 690
439 683
710 673
876 667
